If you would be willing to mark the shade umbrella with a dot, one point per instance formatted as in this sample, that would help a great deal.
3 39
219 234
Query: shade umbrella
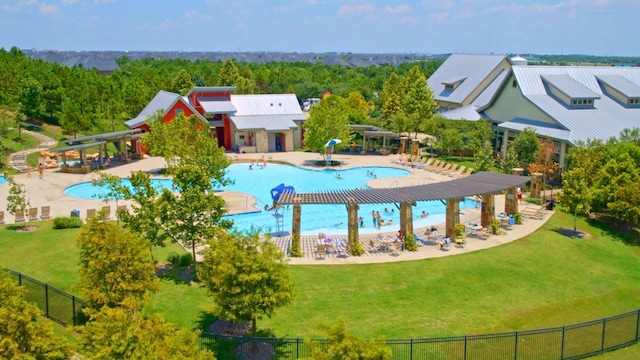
332 142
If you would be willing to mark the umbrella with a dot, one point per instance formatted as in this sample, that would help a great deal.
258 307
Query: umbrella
332 142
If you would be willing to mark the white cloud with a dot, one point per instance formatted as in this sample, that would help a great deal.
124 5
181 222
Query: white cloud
47 8
398 9
355 9
439 17
409 19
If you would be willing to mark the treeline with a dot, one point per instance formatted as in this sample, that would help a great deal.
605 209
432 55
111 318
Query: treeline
586 59
82 100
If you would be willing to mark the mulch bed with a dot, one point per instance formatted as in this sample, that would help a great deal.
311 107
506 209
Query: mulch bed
574 234
250 350
27 228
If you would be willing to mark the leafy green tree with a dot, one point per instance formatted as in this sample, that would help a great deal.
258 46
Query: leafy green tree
526 146
182 83
450 140
344 346
359 108
483 157
73 120
114 265
247 278
124 332
30 98
391 96
328 120
510 161
22 336
618 188
17 200
192 216
186 141
417 99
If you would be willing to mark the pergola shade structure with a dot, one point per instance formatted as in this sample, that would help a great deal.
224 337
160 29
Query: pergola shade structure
485 184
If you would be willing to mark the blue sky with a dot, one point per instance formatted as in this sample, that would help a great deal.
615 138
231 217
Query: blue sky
595 27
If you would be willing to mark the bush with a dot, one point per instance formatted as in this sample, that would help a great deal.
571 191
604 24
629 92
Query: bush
173 258
410 243
517 218
67 222
495 227
186 259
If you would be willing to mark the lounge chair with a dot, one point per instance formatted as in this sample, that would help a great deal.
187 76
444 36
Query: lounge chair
435 164
419 164
399 160
452 170
45 212
321 250
91 213
20 217
417 239
445 168
33 214
106 212
457 172
2 218
466 173
439 168
444 244
460 242
484 233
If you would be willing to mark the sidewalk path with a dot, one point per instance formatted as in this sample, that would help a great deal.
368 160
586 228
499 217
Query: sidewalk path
18 160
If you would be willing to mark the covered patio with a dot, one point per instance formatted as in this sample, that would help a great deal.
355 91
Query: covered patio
484 184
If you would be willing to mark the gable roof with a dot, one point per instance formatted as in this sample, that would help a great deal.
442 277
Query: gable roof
472 69
164 100
271 112
605 119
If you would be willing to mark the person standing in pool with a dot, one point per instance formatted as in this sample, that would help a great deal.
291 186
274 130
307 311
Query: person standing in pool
375 219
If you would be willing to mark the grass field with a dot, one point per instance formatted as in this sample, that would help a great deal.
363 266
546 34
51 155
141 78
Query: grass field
543 280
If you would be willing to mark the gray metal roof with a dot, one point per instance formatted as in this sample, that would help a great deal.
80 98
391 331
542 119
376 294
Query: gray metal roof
622 84
468 112
475 68
607 117
267 104
477 184
489 93
79 146
105 136
570 87
542 128
264 122
454 80
217 105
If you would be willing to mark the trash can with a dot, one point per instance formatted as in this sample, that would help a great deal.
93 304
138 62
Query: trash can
75 213
551 203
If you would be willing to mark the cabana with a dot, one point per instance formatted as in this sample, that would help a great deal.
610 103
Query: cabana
83 167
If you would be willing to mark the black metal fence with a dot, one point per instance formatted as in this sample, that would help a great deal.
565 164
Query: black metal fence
566 342
55 304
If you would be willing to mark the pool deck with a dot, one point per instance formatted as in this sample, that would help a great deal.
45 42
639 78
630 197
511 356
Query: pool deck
49 192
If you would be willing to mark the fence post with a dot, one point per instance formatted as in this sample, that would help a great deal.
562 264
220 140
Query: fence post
20 279
637 324
515 350
297 348
562 347
73 308
604 330
464 353
411 349
46 298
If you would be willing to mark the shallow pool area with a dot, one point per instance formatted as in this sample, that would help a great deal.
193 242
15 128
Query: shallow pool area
332 219
2 180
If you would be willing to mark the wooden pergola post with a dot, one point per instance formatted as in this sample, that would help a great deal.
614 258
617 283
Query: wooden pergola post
453 218
406 218
403 145
352 213
295 224
536 185
511 201
488 210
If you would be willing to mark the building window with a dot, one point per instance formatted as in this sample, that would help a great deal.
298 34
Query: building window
178 112
514 83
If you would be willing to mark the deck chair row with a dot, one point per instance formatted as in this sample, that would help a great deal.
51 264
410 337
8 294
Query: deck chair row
32 215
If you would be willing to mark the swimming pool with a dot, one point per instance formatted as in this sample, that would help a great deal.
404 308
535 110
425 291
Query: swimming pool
2 180
315 218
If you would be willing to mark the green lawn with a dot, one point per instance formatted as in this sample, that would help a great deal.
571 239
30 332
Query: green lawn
543 280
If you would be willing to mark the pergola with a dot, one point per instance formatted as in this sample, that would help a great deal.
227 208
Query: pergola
485 184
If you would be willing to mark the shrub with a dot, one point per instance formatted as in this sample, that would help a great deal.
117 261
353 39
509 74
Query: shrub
173 258
66 222
295 250
460 231
186 259
495 227
410 243
517 218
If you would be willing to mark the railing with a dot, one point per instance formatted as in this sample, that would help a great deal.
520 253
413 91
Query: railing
565 342
55 304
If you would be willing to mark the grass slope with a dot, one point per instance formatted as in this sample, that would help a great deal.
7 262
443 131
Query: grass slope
542 280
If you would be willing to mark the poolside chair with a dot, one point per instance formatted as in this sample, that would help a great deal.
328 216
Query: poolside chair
434 165
20 217
372 246
91 213
460 242
484 233
398 160
106 212
445 168
453 169
457 172
2 218
45 212
33 214
438 167
420 164
466 173
417 239
321 251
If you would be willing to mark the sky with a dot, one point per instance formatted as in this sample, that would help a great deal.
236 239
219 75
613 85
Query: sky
592 27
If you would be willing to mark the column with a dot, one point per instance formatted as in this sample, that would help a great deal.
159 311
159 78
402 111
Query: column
511 201
517 171
352 213
536 185
295 224
406 218
403 146
488 210
453 218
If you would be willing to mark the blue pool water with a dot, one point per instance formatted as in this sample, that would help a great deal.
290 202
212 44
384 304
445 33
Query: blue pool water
2 180
315 218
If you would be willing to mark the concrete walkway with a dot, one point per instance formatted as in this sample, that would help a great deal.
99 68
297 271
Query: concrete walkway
18 160
50 191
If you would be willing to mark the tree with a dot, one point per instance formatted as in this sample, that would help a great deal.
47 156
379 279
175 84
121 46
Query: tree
246 277
329 120
483 157
124 332
576 195
391 96
525 146
17 200
192 216
344 346
185 141
417 101
30 98
182 83
73 119
618 188
22 335
509 162
228 75
545 160
113 265
449 140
